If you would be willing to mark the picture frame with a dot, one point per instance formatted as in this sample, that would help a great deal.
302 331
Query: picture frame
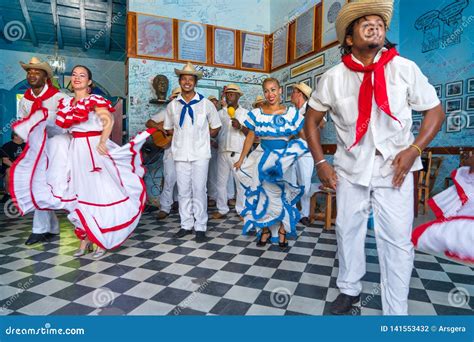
192 41
305 33
316 80
288 91
454 89
280 39
252 51
308 81
314 63
453 105
225 45
470 121
470 86
470 103
330 10
416 125
154 36
453 123
439 90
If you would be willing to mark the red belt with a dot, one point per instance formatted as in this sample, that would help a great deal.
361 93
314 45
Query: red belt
86 134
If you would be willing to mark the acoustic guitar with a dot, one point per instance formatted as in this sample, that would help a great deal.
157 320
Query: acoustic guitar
160 139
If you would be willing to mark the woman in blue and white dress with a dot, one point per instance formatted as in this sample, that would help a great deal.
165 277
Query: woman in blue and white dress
271 198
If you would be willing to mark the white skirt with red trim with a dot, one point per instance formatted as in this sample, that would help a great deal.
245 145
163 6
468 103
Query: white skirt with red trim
105 195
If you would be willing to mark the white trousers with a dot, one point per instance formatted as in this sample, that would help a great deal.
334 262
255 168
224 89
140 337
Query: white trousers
45 221
304 173
225 168
167 195
212 175
393 219
192 193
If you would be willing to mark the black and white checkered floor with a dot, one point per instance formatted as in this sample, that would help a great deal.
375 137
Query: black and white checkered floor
156 274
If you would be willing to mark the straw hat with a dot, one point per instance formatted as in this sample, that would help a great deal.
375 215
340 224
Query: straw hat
212 97
176 91
233 88
36 63
304 88
188 69
360 8
258 99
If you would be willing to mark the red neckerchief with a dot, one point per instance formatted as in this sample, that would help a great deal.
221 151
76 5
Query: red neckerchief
367 90
38 101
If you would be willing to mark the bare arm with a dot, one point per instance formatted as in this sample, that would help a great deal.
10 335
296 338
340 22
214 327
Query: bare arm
403 162
249 139
107 123
7 161
214 132
326 173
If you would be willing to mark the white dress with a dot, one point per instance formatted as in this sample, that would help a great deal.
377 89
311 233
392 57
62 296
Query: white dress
452 233
270 196
104 194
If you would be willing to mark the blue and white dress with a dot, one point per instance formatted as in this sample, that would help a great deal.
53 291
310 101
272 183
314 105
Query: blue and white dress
270 196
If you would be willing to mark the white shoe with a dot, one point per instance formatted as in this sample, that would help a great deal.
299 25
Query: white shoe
99 252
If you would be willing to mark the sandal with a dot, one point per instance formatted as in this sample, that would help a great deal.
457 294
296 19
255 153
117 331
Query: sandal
265 232
284 243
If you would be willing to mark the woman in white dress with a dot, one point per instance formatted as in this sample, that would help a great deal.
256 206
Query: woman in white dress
103 190
271 198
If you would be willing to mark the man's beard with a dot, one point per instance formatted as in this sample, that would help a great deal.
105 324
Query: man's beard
374 46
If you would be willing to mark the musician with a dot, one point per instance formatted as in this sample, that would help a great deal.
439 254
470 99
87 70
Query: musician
169 173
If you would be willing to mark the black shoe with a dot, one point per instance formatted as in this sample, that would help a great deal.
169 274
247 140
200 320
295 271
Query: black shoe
50 236
265 232
344 304
282 243
35 238
182 233
305 221
201 237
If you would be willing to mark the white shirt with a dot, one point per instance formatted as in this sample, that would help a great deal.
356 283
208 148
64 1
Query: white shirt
338 92
50 104
160 116
192 141
229 138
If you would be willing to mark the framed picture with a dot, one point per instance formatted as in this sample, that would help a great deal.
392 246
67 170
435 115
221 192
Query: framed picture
453 123
453 105
252 47
288 91
454 89
470 86
308 81
192 42
330 10
304 36
316 80
439 91
280 47
313 63
470 103
155 36
415 128
470 121
225 42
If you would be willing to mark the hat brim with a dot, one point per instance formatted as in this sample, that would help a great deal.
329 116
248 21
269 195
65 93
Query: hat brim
305 92
40 66
198 74
257 102
356 10
234 91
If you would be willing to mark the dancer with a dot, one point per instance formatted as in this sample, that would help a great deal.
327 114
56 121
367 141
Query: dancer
102 187
270 205
192 120
370 97
42 99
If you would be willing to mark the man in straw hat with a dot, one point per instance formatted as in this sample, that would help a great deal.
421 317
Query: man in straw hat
259 101
169 173
192 119
370 96
42 99
304 166
231 141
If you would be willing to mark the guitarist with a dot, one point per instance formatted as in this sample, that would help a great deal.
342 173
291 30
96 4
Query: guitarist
169 173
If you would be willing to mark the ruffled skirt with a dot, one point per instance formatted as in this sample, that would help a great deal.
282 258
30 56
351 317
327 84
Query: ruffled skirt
104 194
270 196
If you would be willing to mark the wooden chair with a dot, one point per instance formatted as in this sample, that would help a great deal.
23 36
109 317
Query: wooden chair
424 181
463 156
327 212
